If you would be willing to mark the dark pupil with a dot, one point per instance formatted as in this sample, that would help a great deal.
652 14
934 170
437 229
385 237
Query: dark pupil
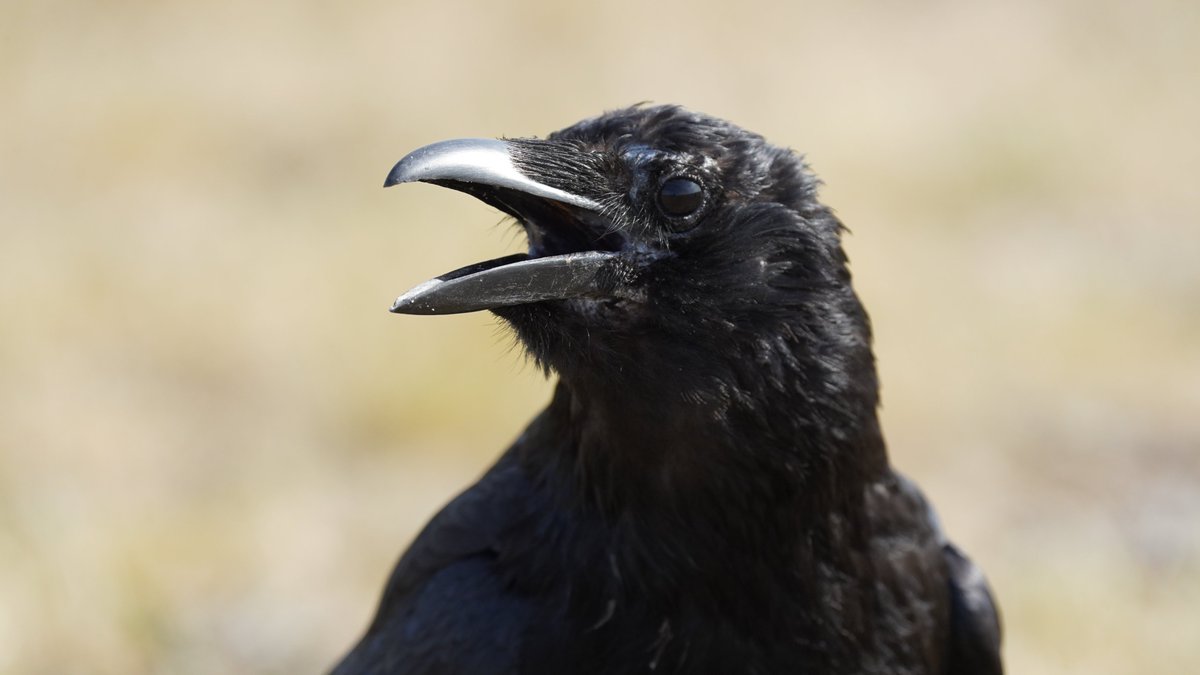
680 196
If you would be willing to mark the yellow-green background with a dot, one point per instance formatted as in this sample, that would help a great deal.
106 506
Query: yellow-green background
214 439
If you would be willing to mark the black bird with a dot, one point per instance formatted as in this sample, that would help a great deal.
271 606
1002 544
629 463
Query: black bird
708 490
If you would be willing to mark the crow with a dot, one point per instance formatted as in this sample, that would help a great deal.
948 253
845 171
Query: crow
708 490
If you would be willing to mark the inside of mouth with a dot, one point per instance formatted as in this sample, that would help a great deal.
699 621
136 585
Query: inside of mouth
483 266
553 228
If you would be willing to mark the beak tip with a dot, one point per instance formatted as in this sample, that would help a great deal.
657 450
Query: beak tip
395 176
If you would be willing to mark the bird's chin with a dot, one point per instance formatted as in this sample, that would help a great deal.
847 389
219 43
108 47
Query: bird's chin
550 332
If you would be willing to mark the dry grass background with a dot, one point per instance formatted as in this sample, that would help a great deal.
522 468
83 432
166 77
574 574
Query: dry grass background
214 440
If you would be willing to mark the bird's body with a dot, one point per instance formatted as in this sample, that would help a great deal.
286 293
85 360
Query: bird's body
708 491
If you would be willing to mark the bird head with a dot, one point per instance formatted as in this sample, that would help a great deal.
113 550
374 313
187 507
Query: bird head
667 249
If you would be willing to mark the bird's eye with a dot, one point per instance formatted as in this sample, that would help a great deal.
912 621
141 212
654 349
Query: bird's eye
680 197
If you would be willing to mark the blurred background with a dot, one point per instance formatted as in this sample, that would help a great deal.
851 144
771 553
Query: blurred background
215 440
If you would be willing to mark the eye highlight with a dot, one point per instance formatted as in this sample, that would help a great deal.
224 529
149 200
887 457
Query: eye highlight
680 196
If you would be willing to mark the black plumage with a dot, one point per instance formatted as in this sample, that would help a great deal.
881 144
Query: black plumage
708 490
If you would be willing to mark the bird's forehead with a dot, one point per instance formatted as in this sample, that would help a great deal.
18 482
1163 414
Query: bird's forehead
669 128
639 155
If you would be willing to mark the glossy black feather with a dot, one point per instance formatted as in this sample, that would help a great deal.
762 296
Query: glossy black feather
975 622
708 491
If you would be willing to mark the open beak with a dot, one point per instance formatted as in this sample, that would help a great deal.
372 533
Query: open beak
572 254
